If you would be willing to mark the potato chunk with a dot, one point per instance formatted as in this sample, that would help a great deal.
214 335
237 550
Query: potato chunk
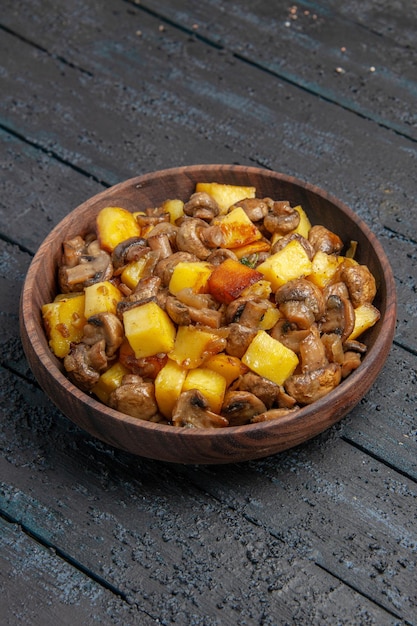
193 345
229 279
237 229
115 225
289 263
64 321
168 386
226 195
366 315
269 358
109 381
101 298
211 384
148 330
193 275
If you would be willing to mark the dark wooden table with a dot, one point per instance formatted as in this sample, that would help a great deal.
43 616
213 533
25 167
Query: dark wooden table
96 92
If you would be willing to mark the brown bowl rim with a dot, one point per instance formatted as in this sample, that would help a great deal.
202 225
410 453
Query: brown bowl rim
374 359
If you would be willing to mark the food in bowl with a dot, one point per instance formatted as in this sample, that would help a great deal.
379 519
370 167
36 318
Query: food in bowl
221 310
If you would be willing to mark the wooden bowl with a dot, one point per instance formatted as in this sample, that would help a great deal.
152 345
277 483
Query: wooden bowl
206 446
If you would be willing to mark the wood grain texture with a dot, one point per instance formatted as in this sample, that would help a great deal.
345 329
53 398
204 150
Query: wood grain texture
319 534
220 445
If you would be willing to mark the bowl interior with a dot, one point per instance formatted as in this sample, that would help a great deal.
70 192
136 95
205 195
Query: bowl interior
220 445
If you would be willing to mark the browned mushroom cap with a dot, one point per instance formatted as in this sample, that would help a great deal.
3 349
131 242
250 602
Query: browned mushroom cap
85 363
160 242
339 317
94 265
146 290
360 283
152 217
72 251
247 312
255 208
289 334
189 239
311 386
128 251
136 398
239 339
337 288
165 267
221 254
239 407
273 414
264 389
282 218
107 327
312 351
324 240
192 410
351 362
198 308
300 301
333 347
281 243
178 311
202 206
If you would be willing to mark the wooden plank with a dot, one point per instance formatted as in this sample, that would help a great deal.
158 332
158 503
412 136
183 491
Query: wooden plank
384 422
198 89
39 587
36 191
173 549
350 514
318 46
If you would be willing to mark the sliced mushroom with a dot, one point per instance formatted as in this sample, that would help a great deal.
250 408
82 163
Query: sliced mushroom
355 346
136 398
128 251
85 363
281 243
289 334
247 312
197 300
360 283
311 386
146 290
72 251
193 411
273 414
189 239
255 208
221 254
261 387
239 339
301 302
333 347
107 327
337 288
202 206
178 311
239 407
339 317
321 238
160 243
312 351
152 217
165 267
351 362
282 218
94 266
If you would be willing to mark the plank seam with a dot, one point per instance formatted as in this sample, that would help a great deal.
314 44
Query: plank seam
362 594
